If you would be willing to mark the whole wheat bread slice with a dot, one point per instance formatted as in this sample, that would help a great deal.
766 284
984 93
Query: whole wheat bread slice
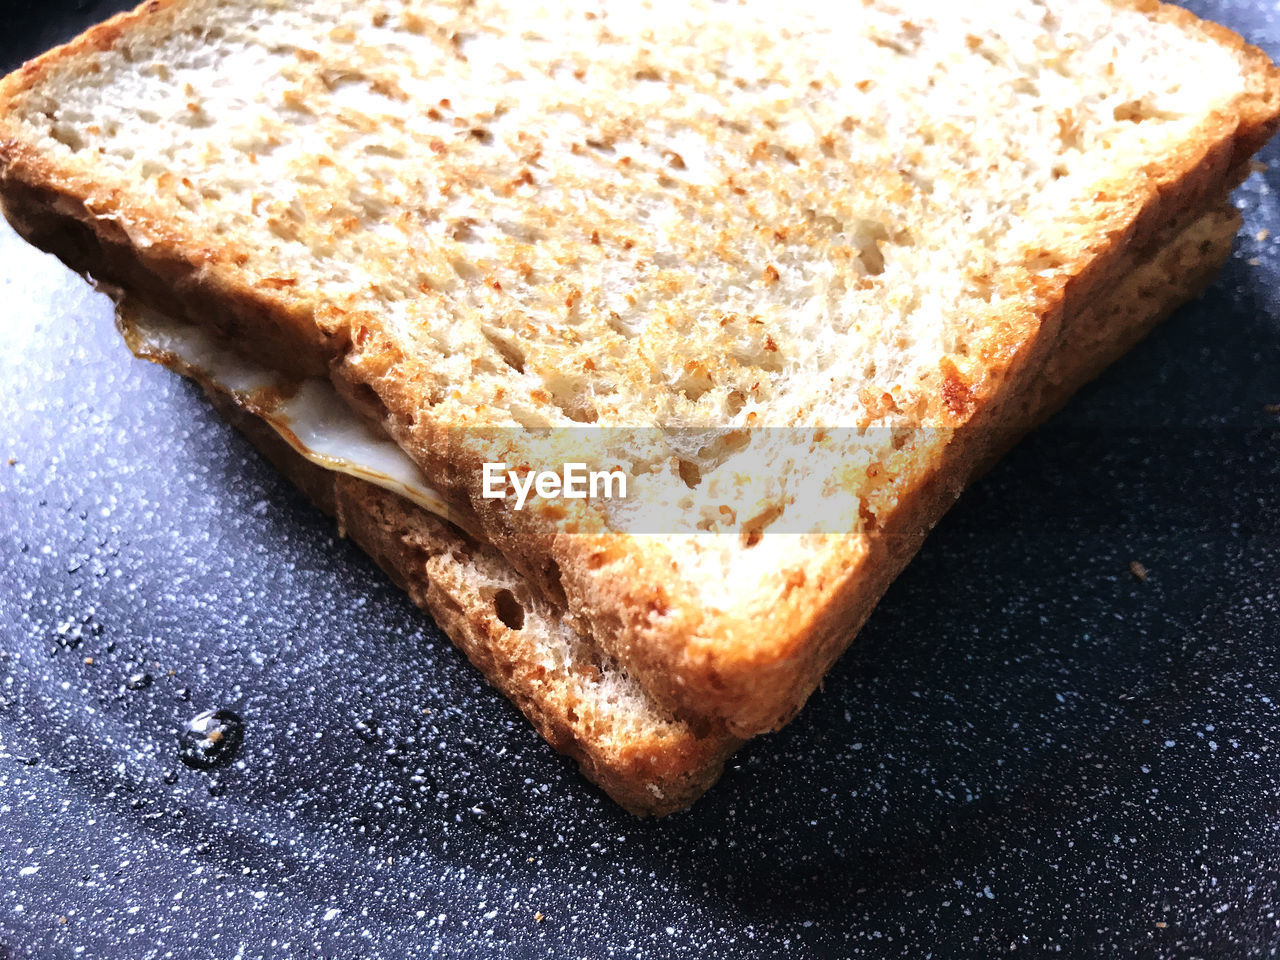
899 219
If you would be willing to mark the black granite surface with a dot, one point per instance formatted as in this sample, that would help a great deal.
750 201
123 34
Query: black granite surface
1029 750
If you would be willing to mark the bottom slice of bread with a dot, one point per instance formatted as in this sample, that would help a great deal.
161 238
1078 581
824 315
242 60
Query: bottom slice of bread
582 702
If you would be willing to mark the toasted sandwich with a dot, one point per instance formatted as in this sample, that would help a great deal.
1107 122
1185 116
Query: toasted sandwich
796 274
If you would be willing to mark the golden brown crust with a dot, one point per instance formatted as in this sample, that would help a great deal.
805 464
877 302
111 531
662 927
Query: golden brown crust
752 666
1259 104
101 36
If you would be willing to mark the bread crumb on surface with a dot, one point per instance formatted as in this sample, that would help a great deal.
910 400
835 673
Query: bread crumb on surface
1138 570
1262 235
1271 408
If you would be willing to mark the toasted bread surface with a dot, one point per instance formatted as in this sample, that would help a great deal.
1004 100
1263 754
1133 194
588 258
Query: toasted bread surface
895 220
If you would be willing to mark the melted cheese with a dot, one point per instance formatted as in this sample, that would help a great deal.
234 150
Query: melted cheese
308 414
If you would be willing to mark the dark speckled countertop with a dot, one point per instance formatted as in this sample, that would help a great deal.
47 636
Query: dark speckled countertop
1029 748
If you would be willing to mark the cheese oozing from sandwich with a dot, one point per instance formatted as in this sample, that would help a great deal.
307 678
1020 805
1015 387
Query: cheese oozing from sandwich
308 414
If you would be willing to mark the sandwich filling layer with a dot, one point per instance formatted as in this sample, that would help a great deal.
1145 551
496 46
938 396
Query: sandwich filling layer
308 414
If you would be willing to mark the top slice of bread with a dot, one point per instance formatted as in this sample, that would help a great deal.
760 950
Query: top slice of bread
882 218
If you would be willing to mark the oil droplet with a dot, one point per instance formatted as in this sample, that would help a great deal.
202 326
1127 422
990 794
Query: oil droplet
210 739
